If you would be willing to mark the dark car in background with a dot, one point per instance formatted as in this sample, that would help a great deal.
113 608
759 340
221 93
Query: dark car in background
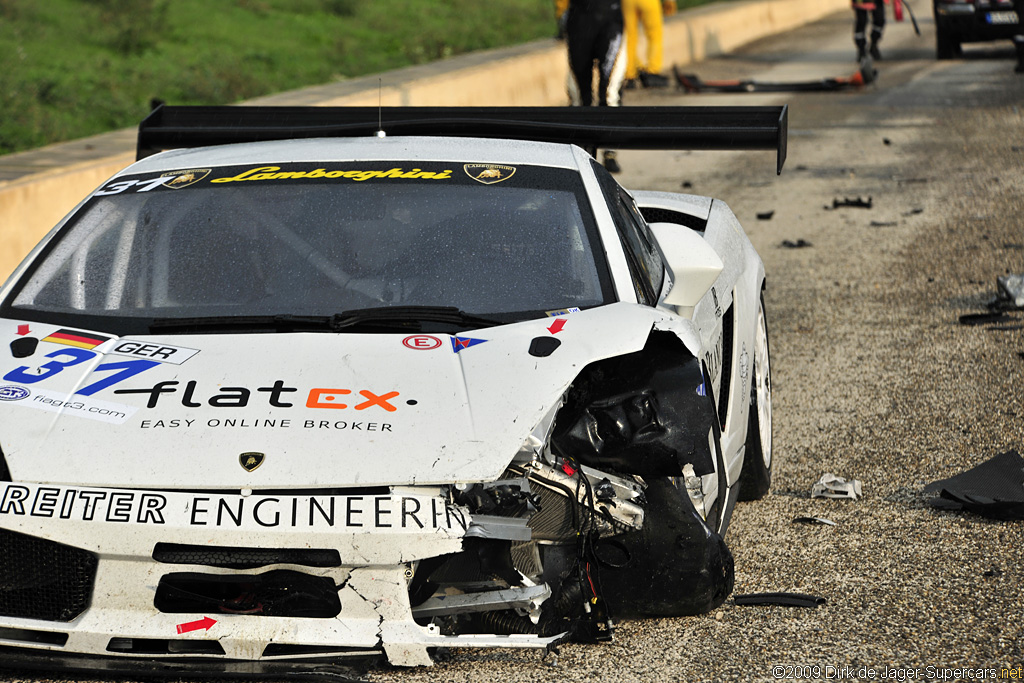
972 21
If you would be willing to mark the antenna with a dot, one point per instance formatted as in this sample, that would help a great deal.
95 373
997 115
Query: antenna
380 109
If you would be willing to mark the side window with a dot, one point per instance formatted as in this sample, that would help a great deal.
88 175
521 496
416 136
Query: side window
640 233
645 265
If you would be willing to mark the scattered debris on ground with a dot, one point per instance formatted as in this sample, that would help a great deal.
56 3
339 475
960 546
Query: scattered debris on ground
813 520
993 489
692 83
799 244
846 202
784 599
831 486
1009 294
982 318
765 215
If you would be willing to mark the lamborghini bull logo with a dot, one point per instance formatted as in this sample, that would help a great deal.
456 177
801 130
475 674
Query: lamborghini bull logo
186 178
489 174
250 461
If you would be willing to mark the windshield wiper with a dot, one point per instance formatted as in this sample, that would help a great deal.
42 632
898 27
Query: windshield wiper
391 318
283 322
410 314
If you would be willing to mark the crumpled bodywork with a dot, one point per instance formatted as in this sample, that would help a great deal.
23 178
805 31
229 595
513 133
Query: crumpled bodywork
594 519
640 413
611 530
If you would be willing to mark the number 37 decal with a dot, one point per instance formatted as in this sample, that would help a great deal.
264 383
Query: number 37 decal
66 358
139 185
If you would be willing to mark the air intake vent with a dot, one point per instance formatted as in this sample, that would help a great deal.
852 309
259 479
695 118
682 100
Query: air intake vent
728 320
23 635
160 646
243 558
653 215
278 593
40 579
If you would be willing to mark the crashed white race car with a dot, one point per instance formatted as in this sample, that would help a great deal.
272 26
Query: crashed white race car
296 391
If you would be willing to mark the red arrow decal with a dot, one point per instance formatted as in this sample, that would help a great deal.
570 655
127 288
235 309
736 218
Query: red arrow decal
22 330
556 326
205 622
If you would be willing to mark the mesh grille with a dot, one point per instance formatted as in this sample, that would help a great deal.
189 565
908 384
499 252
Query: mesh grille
40 579
243 558
554 520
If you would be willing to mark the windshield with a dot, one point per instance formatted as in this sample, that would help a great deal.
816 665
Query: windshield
316 239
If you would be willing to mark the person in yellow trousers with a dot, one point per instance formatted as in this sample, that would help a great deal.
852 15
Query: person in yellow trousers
651 14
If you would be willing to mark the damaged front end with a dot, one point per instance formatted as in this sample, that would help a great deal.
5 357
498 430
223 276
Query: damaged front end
611 509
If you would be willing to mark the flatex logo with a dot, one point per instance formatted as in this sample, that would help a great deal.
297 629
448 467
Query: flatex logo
13 392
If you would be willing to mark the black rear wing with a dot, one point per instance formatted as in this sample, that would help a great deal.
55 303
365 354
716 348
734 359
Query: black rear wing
696 128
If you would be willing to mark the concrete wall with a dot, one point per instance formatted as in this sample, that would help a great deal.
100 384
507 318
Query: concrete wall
524 75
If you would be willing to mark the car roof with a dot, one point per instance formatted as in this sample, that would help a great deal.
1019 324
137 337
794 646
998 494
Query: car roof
325 150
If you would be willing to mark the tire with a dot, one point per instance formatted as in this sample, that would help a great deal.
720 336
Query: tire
756 476
946 45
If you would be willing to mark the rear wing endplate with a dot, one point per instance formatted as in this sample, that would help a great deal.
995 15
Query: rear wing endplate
696 128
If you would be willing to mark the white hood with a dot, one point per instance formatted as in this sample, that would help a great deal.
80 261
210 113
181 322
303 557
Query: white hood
324 409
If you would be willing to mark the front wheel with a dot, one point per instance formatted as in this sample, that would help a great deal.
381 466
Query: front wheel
756 477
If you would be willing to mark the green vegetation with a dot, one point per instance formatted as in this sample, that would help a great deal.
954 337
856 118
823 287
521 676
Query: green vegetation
72 68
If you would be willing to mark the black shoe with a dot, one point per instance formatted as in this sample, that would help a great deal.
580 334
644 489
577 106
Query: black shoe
653 80
876 54
862 52
610 163
629 84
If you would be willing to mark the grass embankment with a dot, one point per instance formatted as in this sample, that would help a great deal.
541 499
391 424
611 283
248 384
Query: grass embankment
72 68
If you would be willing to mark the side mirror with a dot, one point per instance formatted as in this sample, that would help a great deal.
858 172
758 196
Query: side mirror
692 263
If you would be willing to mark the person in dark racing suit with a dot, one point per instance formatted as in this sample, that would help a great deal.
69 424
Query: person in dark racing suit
593 32
863 9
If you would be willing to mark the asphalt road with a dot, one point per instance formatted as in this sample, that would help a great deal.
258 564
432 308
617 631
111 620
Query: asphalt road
874 378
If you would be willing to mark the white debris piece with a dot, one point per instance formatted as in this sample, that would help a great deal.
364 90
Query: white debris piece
1011 290
831 486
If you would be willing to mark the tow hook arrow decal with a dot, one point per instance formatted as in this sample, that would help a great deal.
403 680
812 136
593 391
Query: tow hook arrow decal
22 330
204 623
556 326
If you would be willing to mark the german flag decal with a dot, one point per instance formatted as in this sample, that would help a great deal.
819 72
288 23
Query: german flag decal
83 340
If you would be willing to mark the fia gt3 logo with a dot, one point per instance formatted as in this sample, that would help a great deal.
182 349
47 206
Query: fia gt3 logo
13 393
250 461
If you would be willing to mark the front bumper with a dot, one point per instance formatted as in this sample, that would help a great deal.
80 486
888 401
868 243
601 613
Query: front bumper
971 24
376 538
